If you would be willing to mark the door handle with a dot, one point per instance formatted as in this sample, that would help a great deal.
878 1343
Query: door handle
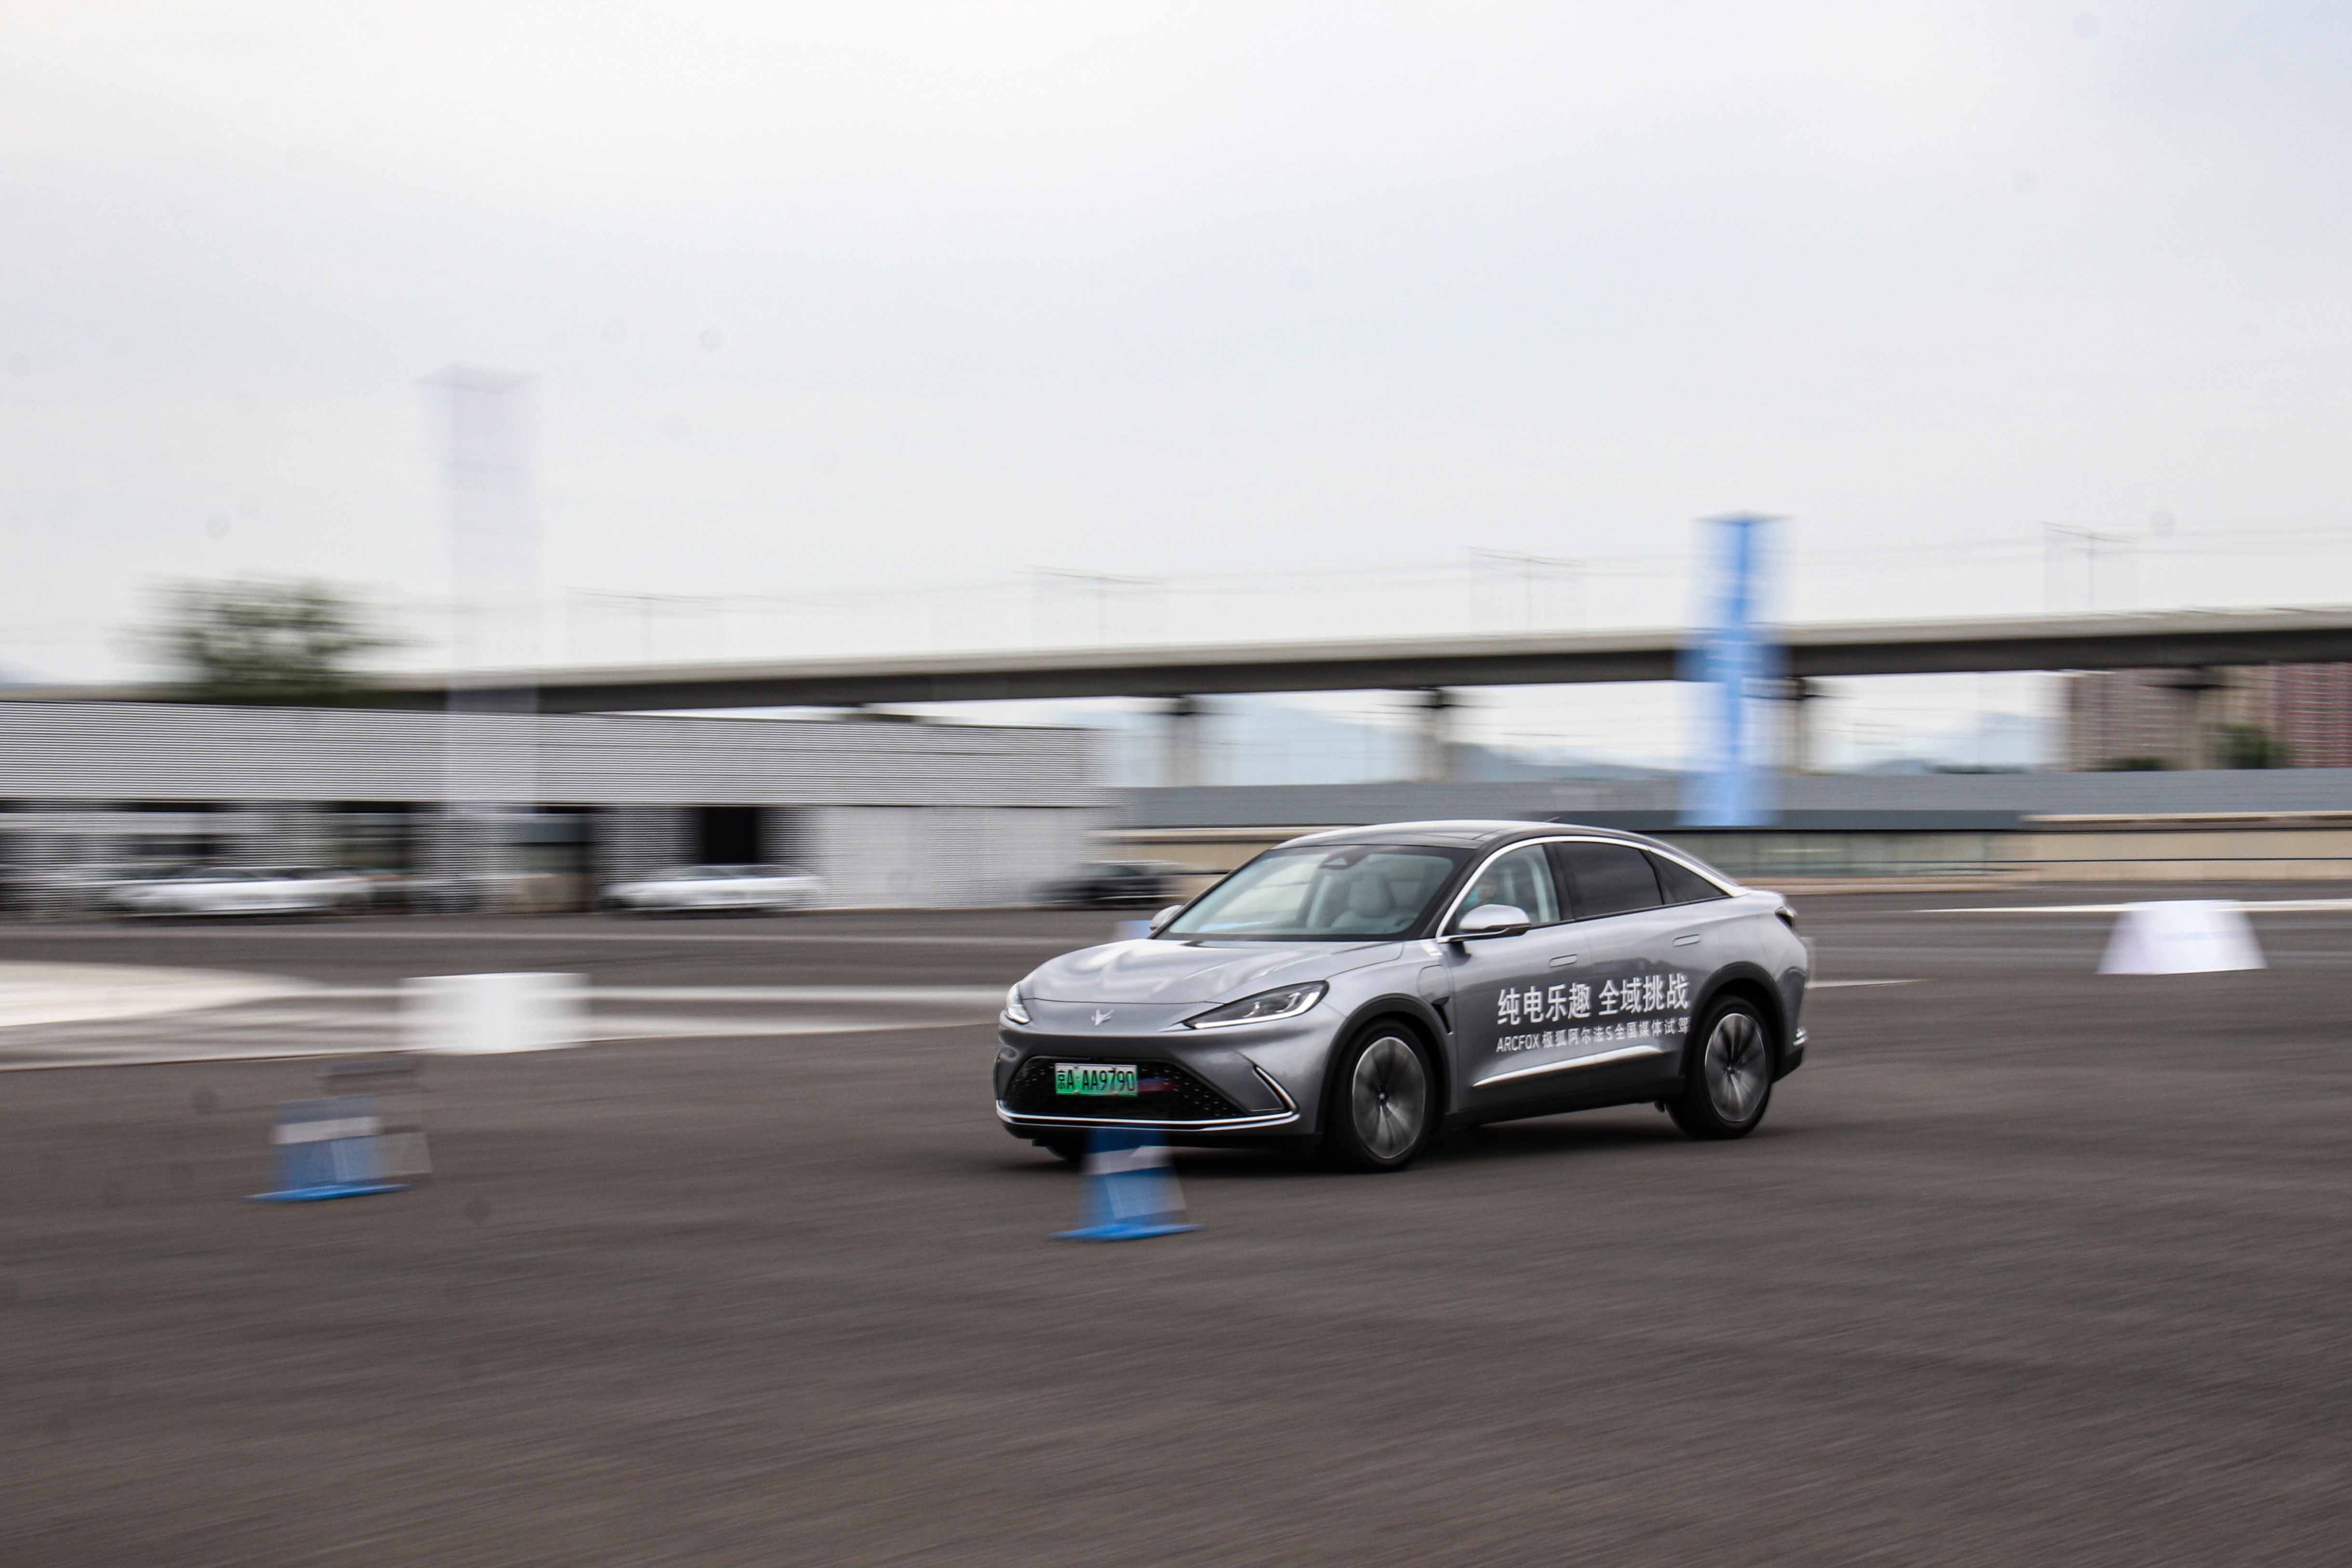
1687 938
1563 961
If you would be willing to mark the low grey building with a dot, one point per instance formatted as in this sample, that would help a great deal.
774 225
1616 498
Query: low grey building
887 812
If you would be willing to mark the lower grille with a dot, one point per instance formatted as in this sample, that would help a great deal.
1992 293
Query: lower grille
1164 1092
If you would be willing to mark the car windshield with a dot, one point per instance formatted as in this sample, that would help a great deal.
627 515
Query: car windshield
1330 893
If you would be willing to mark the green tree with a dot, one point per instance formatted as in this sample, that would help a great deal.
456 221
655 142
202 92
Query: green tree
2249 746
265 640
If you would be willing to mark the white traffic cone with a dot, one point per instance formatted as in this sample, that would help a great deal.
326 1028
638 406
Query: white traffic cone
2182 936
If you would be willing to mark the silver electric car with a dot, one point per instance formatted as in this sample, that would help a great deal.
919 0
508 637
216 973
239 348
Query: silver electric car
1361 990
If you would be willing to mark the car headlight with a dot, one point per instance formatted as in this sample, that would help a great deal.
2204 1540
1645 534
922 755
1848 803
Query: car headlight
1015 1008
1263 1008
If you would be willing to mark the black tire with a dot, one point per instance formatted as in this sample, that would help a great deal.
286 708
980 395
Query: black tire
1068 1147
1726 1072
1380 1102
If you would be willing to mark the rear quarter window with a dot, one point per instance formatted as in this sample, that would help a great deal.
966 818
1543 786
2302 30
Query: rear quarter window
1608 879
1681 885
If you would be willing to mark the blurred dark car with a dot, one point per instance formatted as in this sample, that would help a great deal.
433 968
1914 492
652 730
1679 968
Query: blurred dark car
1112 884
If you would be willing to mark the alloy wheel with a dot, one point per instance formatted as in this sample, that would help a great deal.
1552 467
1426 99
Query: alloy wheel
1737 1067
1389 1098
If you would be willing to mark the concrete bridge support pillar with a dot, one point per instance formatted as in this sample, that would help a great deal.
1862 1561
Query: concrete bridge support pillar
1182 762
2193 688
1436 758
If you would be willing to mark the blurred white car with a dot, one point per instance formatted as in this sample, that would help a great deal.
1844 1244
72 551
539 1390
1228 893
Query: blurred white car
243 890
93 886
761 889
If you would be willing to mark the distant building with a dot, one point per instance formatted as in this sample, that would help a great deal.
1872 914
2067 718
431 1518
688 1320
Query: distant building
2311 713
887 813
2281 715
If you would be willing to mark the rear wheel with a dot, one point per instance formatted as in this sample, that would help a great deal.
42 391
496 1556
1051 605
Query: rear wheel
1382 1102
1728 1073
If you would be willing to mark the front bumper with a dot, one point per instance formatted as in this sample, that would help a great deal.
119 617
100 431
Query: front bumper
1793 1057
1241 1085
1171 1098
1033 1127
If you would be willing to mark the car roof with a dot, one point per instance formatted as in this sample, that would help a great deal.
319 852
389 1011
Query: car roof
1469 834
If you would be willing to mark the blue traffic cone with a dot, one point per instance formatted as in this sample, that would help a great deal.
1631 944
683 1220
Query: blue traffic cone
1130 1190
327 1148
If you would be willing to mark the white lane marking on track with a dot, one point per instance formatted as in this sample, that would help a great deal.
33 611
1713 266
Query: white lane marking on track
1835 985
669 1026
989 997
270 1033
95 1015
282 1050
2250 906
33 994
40 996
379 933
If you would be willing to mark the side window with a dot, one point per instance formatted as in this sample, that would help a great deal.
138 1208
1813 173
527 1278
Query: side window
1522 879
1682 885
1608 879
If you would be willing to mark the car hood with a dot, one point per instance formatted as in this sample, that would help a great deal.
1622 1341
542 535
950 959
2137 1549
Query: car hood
1195 972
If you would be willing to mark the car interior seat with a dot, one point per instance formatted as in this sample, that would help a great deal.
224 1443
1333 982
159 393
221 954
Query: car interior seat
1370 907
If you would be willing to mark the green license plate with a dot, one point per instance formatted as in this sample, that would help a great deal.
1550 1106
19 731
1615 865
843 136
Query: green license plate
1093 1077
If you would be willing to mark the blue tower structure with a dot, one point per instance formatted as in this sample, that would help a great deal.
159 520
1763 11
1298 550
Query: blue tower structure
1737 660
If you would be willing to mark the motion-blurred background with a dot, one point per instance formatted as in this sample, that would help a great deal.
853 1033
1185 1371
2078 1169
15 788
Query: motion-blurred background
932 326
476 475
912 332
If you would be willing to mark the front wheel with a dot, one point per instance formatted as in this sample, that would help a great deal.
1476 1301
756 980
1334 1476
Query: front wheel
1382 1104
1726 1073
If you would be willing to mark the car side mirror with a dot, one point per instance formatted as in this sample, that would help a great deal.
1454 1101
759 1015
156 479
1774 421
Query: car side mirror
1490 920
1164 916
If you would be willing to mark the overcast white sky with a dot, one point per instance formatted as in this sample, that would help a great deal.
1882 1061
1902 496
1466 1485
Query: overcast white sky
888 295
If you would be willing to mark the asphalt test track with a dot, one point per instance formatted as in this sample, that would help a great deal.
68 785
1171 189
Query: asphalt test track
2026 1266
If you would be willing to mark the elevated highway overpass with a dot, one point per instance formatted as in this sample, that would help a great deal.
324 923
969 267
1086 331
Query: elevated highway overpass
2180 640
